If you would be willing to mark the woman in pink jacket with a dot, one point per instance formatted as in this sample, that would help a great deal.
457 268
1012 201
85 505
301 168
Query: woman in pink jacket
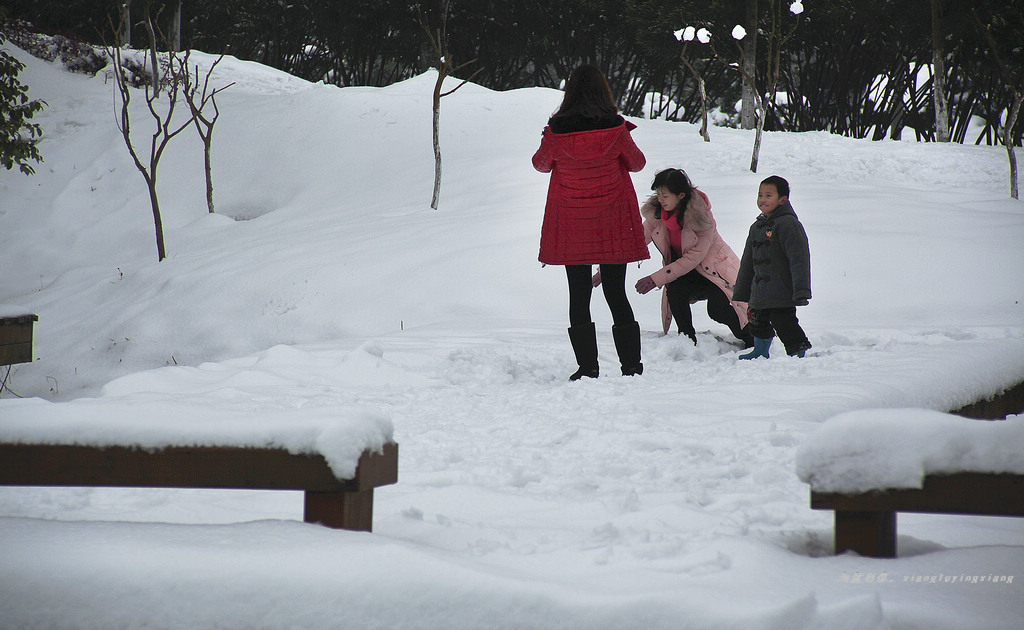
698 264
591 216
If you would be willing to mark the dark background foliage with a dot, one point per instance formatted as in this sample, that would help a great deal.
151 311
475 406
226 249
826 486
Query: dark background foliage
853 67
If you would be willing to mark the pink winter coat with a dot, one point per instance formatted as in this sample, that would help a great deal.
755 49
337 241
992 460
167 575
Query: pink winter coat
703 250
591 212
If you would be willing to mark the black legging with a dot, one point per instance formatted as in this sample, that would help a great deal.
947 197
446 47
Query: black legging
613 282
694 286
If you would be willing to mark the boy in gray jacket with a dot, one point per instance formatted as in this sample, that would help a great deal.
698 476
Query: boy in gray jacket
775 272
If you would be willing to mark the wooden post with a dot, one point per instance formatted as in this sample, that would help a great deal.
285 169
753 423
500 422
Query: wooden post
871 534
353 508
340 510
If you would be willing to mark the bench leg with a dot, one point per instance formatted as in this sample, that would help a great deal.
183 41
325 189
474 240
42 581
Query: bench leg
870 534
340 510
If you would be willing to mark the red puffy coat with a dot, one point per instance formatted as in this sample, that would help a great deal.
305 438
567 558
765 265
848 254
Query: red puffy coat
591 216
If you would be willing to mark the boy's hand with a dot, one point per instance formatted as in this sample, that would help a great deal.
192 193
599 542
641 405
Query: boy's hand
644 285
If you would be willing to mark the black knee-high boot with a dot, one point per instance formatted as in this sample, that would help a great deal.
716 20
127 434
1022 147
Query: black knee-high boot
627 344
583 338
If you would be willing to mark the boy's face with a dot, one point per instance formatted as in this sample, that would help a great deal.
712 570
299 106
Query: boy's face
768 198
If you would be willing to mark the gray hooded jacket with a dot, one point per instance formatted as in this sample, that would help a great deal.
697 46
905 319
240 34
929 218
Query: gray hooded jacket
775 269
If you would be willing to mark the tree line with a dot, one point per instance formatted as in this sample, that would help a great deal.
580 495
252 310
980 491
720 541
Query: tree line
860 68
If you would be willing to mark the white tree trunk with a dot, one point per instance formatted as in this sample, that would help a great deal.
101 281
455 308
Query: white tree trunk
939 75
704 133
174 37
125 32
154 57
747 116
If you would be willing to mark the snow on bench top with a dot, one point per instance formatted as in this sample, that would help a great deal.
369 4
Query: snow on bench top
15 312
877 449
340 435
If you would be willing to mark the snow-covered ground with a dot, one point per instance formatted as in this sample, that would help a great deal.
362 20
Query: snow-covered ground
325 286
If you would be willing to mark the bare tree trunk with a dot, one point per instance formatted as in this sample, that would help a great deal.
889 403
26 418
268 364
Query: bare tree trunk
124 37
939 74
160 137
747 114
703 98
435 199
152 48
439 40
775 43
754 156
1016 85
759 107
432 19
704 133
197 103
208 165
158 222
1011 122
174 39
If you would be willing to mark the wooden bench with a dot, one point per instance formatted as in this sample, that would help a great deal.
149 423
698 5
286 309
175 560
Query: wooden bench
15 343
16 339
866 523
337 503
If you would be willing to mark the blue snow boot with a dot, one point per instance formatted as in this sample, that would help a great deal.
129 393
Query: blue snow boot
760 349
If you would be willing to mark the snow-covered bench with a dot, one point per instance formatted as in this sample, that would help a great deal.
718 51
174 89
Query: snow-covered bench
1008 402
869 465
336 459
344 503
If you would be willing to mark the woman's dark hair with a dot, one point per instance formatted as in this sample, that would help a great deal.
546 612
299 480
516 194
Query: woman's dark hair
678 183
587 94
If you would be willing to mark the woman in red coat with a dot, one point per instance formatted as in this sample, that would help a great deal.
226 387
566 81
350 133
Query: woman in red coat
592 216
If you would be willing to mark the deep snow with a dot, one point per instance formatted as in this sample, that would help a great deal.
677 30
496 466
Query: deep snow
325 287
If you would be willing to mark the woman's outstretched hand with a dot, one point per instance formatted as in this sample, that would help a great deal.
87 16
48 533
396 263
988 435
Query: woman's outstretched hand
644 285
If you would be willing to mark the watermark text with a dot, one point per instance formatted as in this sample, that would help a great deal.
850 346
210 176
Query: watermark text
867 577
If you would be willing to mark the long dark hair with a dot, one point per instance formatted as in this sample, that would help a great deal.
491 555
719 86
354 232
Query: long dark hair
678 183
587 94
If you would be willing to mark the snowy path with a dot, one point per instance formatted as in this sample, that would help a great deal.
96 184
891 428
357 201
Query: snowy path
591 504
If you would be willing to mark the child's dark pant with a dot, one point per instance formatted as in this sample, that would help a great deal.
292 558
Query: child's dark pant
767 322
